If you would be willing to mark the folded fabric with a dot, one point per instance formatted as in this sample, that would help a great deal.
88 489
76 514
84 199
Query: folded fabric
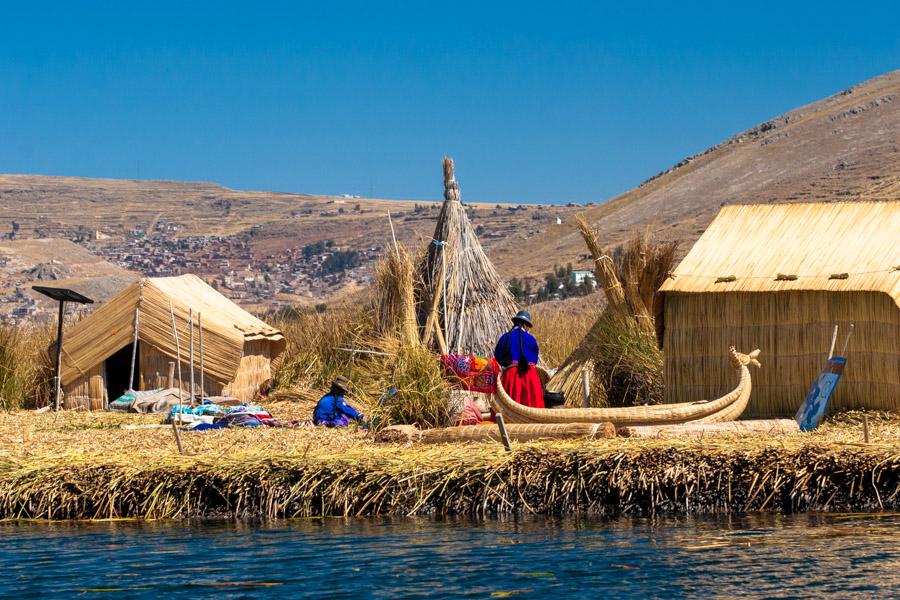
149 401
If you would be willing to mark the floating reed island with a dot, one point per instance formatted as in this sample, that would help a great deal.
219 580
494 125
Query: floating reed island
76 465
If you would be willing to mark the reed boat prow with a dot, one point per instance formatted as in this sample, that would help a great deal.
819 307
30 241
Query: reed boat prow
725 408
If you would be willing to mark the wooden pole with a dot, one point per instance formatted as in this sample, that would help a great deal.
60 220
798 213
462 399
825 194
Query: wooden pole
393 237
134 346
847 341
437 293
59 340
444 285
459 321
180 401
866 427
833 341
191 351
170 380
586 383
504 436
200 332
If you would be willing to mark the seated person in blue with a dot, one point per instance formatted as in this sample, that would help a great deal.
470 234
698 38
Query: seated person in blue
332 411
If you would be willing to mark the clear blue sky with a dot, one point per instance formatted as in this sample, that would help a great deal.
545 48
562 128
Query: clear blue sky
538 102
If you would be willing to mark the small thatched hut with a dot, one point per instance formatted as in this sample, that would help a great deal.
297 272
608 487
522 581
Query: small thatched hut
238 348
779 278
477 306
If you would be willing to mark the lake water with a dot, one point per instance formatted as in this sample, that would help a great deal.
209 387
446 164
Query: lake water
764 556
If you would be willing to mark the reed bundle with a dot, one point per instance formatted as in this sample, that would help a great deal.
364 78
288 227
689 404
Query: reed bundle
405 387
26 369
395 296
473 302
619 353
60 466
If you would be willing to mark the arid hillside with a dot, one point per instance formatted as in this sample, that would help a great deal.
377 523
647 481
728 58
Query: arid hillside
254 244
845 147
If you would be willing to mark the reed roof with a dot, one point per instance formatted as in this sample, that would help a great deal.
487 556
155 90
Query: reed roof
840 246
226 327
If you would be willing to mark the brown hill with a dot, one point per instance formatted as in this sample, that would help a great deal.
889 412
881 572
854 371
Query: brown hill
845 147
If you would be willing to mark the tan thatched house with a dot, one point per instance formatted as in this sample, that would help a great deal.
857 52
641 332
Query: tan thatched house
238 348
779 278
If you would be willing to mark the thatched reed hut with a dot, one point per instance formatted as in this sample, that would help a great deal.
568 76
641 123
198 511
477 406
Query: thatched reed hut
462 290
238 348
779 278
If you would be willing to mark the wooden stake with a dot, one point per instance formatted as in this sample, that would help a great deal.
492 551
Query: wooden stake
866 427
504 437
586 383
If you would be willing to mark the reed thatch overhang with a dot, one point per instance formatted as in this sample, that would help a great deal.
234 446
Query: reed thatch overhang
780 277
226 327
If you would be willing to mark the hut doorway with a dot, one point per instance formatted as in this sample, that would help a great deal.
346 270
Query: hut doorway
117 368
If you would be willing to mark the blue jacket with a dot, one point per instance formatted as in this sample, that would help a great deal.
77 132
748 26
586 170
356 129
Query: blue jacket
507 350
331 407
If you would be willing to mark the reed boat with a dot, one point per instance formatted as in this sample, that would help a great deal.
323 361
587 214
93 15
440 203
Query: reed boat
726 408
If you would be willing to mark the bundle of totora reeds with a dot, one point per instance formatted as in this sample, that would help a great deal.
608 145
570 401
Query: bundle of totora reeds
620 355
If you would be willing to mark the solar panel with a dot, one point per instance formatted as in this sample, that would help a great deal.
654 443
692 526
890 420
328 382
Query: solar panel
62 294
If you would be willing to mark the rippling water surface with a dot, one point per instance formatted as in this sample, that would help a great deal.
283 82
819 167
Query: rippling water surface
803 555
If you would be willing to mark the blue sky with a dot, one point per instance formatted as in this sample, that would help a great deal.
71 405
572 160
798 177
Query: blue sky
538 102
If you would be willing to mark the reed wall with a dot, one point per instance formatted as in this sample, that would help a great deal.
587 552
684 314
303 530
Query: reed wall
255 368
793 329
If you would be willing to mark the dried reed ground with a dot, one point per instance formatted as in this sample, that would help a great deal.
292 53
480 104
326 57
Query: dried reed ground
81 465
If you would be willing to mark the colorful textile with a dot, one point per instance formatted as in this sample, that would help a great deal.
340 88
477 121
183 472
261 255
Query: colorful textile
331 408
515 343
473 373
524 388
208 412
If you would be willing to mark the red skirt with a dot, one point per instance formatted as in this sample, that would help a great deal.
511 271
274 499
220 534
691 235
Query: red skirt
525 389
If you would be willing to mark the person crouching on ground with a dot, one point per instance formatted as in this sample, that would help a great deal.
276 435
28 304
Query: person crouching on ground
332 410
517 351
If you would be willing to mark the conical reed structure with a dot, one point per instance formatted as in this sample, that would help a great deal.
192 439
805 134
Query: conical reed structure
463 293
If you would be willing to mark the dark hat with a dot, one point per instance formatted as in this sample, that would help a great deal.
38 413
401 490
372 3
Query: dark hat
342 383
522 317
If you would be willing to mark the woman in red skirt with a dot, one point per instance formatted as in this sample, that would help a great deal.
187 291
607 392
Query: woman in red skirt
517 348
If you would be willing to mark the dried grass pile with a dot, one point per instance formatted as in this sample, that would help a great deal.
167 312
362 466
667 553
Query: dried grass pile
26 368
462 292
620 352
